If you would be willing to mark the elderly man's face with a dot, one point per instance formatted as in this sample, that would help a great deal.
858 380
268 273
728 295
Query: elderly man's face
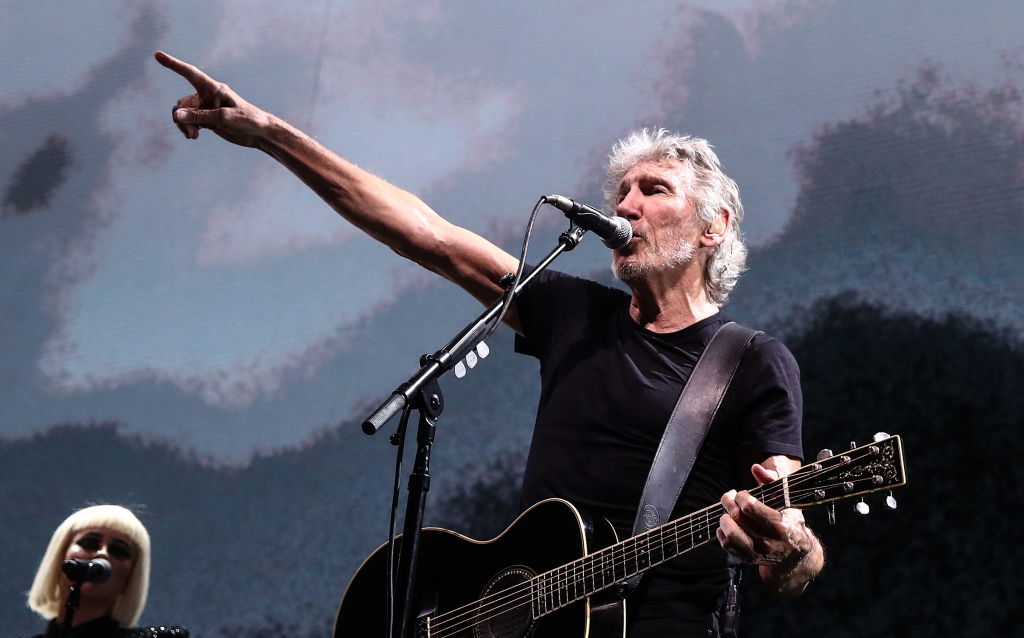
654 197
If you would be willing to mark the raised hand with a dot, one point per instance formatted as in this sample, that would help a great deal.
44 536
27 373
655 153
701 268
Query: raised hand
214 106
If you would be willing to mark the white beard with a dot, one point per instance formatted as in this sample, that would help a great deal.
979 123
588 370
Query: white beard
674 251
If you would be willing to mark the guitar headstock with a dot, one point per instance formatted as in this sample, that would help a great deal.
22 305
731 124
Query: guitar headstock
861 470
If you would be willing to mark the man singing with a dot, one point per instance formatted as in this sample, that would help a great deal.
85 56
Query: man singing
612 364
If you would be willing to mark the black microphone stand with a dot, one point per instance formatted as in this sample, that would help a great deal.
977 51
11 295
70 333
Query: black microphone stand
422 393
71 605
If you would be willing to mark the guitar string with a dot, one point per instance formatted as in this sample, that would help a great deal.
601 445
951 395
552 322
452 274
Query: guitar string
563 586
585 566
571 577
520 595
574 575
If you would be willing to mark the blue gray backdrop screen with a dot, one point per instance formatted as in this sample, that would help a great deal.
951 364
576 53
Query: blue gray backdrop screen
187 330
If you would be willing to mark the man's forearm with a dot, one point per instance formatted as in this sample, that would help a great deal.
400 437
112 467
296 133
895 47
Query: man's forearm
387 213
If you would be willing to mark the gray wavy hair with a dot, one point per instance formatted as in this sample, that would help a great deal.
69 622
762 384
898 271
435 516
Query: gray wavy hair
711 190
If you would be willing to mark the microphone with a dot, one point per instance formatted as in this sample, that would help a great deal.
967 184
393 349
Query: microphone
96 570
615 232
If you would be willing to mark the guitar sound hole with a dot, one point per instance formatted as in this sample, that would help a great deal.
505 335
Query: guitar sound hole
503 613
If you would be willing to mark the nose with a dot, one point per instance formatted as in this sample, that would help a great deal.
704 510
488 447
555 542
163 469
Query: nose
630 205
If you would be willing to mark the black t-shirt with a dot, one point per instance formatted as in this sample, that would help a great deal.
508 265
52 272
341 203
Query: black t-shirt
608 387
107 627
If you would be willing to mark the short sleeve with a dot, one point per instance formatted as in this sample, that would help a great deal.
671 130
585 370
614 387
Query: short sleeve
551 301
769 402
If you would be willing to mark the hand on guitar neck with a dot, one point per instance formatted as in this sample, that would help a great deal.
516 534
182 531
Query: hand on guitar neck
787 553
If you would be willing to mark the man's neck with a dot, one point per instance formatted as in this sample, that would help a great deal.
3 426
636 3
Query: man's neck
669 301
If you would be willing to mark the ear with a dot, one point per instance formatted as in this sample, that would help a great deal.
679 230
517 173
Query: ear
714 234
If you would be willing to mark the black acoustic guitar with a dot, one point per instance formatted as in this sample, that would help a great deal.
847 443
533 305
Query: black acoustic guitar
553 572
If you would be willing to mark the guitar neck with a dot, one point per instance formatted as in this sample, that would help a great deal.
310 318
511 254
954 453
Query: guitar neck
870 468
612 565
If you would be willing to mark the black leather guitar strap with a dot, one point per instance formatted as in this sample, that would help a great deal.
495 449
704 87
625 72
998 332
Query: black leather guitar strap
690 421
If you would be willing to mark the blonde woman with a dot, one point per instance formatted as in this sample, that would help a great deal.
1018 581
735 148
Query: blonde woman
106 607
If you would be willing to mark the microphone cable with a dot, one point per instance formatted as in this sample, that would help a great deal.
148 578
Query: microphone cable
511 288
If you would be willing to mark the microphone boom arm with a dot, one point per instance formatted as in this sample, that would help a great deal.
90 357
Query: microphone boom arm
432 366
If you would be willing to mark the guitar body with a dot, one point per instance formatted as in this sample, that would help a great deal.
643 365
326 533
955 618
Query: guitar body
460 582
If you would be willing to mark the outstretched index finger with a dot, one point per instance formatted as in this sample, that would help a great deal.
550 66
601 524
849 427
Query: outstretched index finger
199 80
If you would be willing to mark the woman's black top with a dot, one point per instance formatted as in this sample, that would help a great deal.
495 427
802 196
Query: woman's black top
109 628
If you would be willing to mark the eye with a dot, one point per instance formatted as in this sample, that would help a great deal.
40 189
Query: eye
120 549
88 543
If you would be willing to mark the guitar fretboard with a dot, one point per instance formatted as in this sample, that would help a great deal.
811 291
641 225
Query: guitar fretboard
605 568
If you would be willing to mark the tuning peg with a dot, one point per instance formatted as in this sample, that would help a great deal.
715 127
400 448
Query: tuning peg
824 454
880 436
459 369
482 350
471 359
862 508
890 501
831 513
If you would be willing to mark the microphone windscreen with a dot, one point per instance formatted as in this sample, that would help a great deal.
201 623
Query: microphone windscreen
96 570
99 569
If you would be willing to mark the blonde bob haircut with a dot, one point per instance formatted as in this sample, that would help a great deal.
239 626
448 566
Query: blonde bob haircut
49 589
